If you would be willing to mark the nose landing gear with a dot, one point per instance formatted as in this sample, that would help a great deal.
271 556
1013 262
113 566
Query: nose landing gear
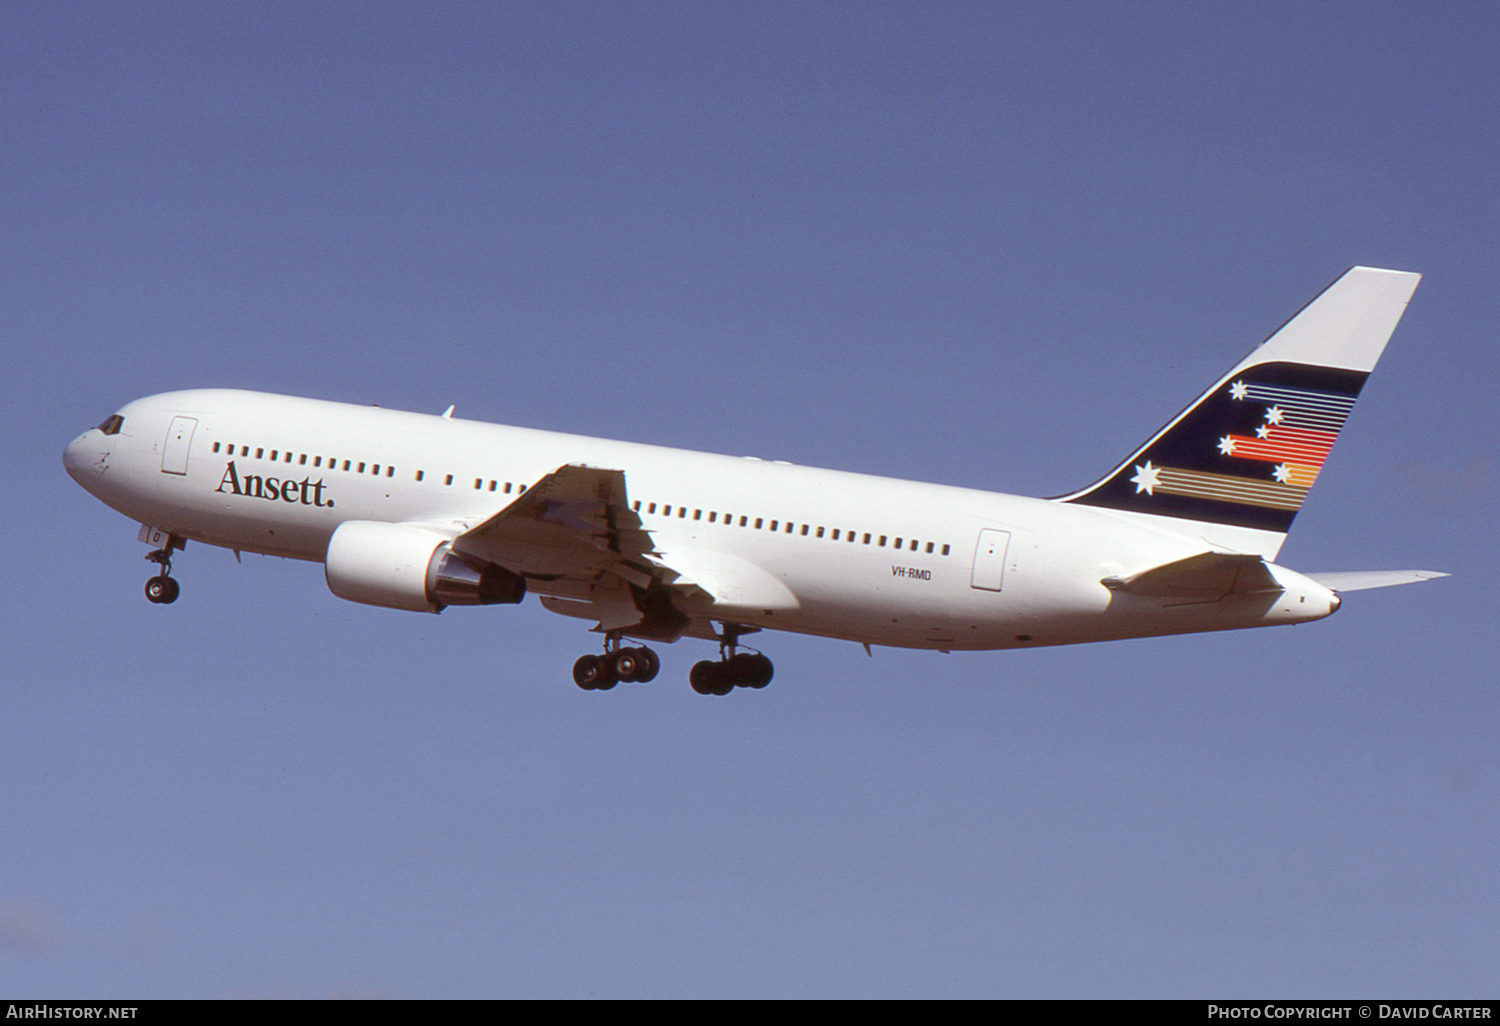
162 589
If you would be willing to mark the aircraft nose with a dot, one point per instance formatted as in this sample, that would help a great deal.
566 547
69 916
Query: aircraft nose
85 458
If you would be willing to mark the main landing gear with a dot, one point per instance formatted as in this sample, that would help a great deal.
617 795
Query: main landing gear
162 589
733 670
639 665
618 663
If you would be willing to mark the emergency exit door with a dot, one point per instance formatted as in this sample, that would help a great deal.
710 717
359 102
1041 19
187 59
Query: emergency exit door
989 560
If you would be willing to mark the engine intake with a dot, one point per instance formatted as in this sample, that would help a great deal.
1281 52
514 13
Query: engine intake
402 566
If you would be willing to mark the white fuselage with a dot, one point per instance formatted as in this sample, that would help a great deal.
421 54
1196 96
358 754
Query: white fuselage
824 552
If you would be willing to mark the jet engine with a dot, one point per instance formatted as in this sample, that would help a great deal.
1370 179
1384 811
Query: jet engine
402 566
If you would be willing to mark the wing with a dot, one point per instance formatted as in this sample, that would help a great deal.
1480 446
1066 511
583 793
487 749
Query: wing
575 521
574 529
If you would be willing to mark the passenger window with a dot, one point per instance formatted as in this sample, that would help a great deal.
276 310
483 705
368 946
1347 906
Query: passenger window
945 550
420 473
929 548
302 460
773 524
447 479
216 447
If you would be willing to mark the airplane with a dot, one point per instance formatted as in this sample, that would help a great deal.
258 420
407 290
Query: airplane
420 512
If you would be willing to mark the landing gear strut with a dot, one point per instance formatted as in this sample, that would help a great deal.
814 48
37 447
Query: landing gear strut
734 669
162 589
618 663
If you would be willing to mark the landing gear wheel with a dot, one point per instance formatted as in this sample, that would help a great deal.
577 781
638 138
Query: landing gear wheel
594 673
704 677
749 670
711 678
627 664
651 665
162 590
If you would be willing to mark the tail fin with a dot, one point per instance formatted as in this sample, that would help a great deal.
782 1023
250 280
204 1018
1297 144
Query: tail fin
1249 449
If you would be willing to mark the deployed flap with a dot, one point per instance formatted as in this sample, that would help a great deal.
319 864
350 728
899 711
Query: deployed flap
574 520
1360 580
1206 577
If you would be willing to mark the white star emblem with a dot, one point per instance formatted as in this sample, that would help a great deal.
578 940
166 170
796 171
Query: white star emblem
1264 431
1282 473
1226 445
1273 415
1146 478
1239 390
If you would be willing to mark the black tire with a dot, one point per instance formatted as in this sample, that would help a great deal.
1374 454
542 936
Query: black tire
738 670
704 677
652 665
586 672
761 671
158 588
627 664
173 590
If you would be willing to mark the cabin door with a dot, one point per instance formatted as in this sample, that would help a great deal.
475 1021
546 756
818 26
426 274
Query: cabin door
174 456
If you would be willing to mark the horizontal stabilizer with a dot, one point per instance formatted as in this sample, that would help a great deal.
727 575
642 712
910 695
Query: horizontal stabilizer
1360 580
1206 577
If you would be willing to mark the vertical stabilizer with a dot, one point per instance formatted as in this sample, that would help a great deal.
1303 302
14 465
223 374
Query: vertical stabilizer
1248 450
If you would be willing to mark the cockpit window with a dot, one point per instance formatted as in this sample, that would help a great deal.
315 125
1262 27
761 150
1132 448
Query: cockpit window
112 425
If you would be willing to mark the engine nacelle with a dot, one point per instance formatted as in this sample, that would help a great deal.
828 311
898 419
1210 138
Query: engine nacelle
402 566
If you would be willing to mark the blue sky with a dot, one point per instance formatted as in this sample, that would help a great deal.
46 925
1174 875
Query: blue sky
993 245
